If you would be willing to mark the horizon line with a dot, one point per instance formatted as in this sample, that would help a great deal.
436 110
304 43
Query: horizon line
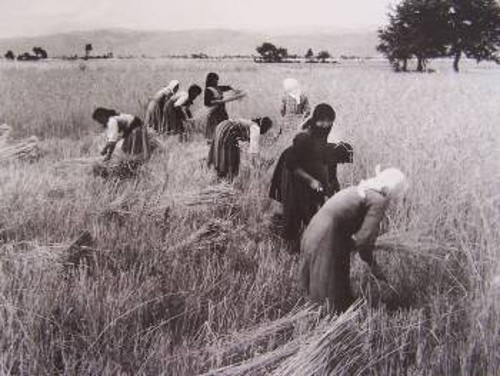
284 30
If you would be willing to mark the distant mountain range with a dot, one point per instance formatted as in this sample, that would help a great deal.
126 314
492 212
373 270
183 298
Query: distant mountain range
124 42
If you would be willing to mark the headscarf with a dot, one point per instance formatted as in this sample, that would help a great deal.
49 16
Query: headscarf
292 88
102 115
212 79
264 123
321 111
391 181
167 91
173 86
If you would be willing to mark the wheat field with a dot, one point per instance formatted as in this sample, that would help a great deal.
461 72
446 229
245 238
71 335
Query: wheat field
185 275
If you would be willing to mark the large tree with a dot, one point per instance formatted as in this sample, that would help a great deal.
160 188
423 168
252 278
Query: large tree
474 29
416 29
395 40
425 29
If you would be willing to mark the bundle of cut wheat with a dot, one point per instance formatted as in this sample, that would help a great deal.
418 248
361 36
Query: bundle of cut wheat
407 261
119 168
123 168
221 195
332 345
211 235
28 149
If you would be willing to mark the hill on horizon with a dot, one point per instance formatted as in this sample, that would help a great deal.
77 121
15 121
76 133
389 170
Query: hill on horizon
215 42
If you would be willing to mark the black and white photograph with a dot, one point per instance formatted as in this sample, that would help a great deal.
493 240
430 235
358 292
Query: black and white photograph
250 188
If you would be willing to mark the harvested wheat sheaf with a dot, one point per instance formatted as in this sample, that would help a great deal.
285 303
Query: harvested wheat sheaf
306 345
27 149
334 345
222 196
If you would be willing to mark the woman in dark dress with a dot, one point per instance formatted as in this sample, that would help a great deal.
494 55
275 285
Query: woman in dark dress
349 221
215 103
305 175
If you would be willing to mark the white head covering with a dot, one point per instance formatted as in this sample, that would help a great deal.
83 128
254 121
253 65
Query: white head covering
168 90
292 88
173 85
390 181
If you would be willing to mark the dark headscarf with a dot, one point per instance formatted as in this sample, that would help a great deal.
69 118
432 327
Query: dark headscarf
322 111
102 115
212 80
264 123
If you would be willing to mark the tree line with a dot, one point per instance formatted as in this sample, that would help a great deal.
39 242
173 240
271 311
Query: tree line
40 53
427 29
269 53
37 54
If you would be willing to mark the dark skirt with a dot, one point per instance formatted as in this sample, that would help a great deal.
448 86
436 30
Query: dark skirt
154 116
224 152
137 143
173 118
214 118
300 202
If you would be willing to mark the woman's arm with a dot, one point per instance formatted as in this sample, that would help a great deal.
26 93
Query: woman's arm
224 88
227 100
108 150
365 238
308 179
112 137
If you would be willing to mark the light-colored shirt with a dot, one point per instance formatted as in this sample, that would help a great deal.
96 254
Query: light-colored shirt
254 131
116 126
180 99
165 92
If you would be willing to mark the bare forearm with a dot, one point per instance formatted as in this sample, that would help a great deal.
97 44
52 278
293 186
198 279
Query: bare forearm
108 150
303 175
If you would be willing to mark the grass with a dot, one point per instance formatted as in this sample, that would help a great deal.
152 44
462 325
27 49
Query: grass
188 276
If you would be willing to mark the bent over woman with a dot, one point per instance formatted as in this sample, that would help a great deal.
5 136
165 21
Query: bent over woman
178 110
155 116
224 152
349 221
124 127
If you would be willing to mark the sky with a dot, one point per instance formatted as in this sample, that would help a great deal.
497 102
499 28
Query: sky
37 17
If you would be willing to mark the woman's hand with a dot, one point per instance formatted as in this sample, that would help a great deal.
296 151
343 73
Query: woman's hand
316 186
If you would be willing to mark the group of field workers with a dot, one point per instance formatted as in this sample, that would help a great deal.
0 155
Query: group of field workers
320 222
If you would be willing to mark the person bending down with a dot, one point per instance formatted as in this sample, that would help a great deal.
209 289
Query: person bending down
348 222
155 116
224 152
124 127
178 110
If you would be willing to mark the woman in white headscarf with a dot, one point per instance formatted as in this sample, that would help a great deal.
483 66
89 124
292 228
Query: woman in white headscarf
348 222
155 117
295 106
